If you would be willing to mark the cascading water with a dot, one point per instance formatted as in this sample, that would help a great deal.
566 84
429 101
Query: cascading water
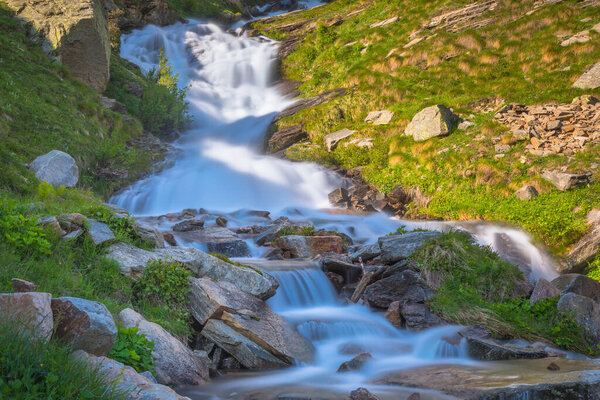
218 165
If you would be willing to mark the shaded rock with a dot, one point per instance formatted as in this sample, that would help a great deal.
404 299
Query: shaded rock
33 310
169 238
22 286
150 234
414 396
131 260
175 363
188 225
418 316
527 192
332 139
57 168
379 117
590 78
356 363
578 284
126 379
273 253
405 287
349 272
366 253
217 240
85 325
309 246
543 290
489 349
99 232
398 247
362 394
393 314
430 122
285 137
338 196
586 313
399 195
565 181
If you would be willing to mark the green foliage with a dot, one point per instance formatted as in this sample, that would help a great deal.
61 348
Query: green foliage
133 349
593 270
32 369
48 192
400 231
164 282
22 232
308 230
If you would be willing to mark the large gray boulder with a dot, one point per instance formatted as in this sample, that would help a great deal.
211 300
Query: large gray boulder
399 247
332 139
85 325
99 232
175 363
32 310
430 122
405 287
57 168
578 284
126 379
217 240
586 313
150 234
590 79
245 326
131 260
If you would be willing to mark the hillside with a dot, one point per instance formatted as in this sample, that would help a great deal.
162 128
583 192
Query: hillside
404 56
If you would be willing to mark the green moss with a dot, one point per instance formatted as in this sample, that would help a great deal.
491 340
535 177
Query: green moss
223 257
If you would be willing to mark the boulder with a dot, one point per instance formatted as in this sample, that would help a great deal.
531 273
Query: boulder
175 363
362 394
272 231
126 379
285 137
418 316
431 122
217 240
379 117
590 78
222 222
338 196
98 232
543 290
57 168
527 192
22 286
398 247
150 234
85 325
564 181
245 326
488 349
356 363
405 287
309 246
585 249
332 139
188 225
349 272
76 31
578 284
586 313
33 310
131 260
366 253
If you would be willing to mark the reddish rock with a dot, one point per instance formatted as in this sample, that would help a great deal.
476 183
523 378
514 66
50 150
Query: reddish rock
30 309
22 286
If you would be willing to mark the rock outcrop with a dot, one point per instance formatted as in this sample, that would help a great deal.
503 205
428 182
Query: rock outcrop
57 168
399 247
431 122
405 287
75 31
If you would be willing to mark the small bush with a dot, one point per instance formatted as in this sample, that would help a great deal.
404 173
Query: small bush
593 270
164 282
133 349
23 232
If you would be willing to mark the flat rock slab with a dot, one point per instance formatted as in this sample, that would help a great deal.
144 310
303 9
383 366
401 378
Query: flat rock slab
399 247
99 232
332 139
57 168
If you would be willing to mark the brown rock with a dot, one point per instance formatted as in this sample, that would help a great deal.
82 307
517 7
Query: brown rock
32 310
362 394
188 225
22 286
356 363
419 316
169 238
393 314
553 367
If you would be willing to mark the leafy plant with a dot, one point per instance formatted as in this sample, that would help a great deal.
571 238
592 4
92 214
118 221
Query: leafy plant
133 349
164 282
23 232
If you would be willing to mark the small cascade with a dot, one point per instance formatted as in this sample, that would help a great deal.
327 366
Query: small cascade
300 289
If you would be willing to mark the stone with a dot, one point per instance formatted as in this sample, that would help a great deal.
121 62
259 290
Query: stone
578 284
399 195
22 286
126 379
84 325
188 225
131 260
338 196
553 367
217 239
150 234
349 272
356 363
285 137
76 31
56 168
308 246
488 349
580 37
527 192
393 315
502 148
245 326
332 139
543 290
73 235
465 125
414 396
113 105
175 363
362 394
418 316
398 247
272 231
584 250
430 122
366 253
222 222
169 238
384 22
99 232
31 310
586 313
590 78
564 181
405 287
379 117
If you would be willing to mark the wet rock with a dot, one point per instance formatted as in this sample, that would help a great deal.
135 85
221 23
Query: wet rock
336 280
22 286
175 363
338 196
271 233
309 246
418 316
366 253
99 232
222 222
379 117
564 181
578 284
405 287
285 137
57 168
543 290
586 313
188 225
32 310
356 363
431 122
398 247
274 253
85 325
553 367
399 195
245 326
527 192
150 234
393 314
126 379
488 349
217 240
332 139
169 238
349 272
362 394
590 78
230 363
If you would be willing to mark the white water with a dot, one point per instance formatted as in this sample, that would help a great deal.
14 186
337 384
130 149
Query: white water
218 166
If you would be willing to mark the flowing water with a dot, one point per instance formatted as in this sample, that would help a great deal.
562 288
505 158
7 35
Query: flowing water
218 165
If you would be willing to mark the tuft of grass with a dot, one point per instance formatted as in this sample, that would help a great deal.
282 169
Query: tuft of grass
223 257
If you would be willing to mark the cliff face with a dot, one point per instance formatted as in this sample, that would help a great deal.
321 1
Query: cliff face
76 31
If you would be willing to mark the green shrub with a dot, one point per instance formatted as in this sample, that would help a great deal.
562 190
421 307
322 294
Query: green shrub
164 282
593 270
22 232
31 370
133 349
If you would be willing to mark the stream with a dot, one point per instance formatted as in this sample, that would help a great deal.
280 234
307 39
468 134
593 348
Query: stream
218 164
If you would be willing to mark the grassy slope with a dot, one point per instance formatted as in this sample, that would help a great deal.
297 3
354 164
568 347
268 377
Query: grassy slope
519 61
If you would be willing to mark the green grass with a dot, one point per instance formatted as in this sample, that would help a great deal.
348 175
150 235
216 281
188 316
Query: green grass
517 59
475 286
